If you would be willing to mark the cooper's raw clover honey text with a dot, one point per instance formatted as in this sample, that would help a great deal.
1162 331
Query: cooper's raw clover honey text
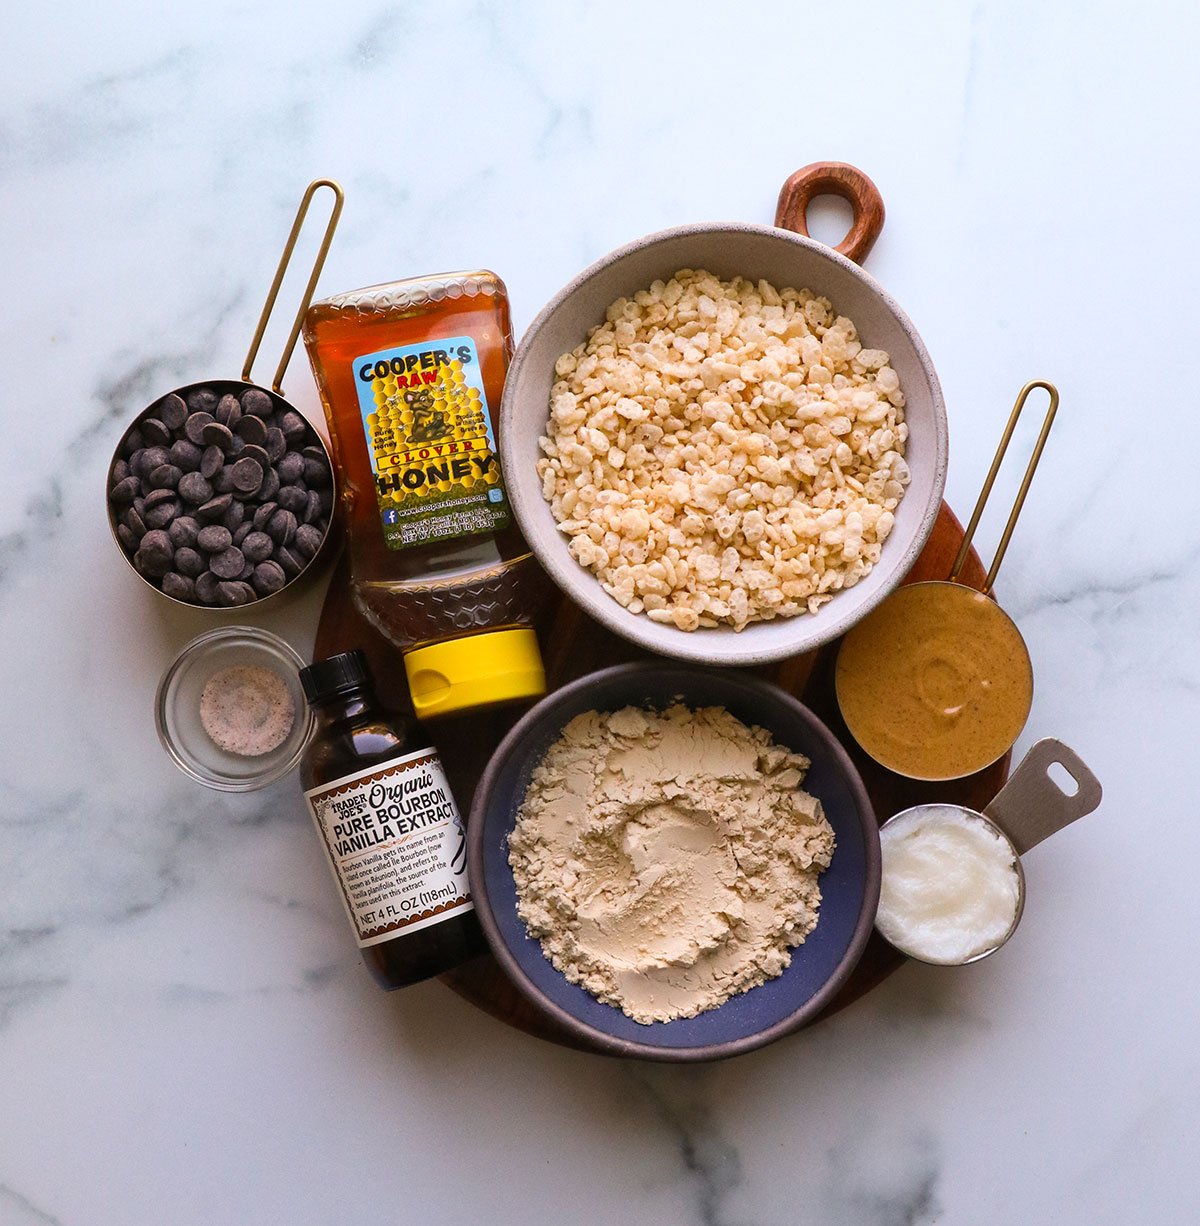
428 429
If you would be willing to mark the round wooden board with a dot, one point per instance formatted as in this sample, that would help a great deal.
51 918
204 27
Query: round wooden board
573 644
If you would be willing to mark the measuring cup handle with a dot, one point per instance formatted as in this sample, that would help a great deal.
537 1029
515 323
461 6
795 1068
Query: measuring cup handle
833 179
1031 806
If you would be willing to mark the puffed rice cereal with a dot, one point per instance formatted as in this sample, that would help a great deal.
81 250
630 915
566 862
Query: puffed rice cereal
723 452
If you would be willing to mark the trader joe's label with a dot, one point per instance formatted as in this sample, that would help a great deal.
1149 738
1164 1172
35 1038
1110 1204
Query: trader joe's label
396 844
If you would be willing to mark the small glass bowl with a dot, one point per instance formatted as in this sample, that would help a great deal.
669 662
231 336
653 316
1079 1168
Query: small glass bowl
177 709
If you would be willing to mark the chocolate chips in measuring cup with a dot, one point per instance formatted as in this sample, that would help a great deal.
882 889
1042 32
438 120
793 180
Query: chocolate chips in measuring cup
220 499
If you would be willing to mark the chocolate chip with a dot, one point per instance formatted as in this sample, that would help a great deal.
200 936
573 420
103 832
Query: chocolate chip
202 400
155 433
232 519
316 472
120 470
133 442
128 541
268 577
214 508
124 492
247 475
150 565
179 586
252 429
183 531
313 511
132 519
216 434
195 426
161 514
257 402
188 562
148 459
252 451
308 540
237 445
228 563
185 455
223 481
281 527
257 546
228 411
214 538
270 485
206 587
164 477
326 501
155 497
293 425
291 562
290 468
211 461
276 444
156 545
172 411
263 514
247 571
243 530
293 499
194 488
232 594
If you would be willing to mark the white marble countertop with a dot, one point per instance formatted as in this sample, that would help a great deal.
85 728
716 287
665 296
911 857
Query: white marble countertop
186 1034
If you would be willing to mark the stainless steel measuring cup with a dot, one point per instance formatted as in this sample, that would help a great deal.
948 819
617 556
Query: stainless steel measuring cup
1029 808
911 665
236 387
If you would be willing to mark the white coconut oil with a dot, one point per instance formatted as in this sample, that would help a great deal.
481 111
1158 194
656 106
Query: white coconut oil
951 886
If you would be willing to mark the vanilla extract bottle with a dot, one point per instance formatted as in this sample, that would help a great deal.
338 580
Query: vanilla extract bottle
390 828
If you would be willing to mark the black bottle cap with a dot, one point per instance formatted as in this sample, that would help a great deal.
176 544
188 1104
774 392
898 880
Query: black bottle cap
348 670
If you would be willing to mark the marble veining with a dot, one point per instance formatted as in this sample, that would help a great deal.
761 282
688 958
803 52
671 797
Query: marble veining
185 1033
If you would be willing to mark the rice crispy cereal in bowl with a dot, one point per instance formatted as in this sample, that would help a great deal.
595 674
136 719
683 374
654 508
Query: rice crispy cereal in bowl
724 452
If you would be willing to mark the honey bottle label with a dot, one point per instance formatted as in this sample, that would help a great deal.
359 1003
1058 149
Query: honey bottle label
429 434
396 844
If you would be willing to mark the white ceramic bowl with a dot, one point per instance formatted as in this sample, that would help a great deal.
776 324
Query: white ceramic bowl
727 249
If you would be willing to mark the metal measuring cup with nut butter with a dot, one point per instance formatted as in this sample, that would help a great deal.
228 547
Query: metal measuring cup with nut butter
937 683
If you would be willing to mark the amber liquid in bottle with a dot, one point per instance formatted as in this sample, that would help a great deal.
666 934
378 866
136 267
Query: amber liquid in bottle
454 581
353 734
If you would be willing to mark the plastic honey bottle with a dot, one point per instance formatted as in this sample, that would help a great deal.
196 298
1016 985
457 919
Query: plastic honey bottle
410 375
388 822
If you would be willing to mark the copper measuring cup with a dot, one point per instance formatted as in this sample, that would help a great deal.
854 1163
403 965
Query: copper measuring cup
1029 808
912 667
237 386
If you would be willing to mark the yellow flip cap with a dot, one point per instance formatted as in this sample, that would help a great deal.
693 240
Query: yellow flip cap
476 671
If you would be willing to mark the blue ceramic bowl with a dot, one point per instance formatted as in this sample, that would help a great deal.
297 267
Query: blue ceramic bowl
849 887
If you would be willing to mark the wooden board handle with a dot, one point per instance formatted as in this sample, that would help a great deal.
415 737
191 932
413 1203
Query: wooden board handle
833 179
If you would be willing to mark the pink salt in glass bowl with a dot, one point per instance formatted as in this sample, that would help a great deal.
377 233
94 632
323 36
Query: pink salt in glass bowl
177 709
